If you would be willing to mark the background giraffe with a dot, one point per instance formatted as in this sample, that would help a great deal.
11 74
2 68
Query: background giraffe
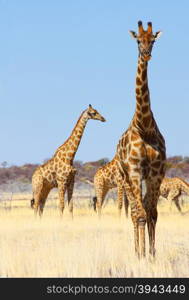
141 150
59 171
106 178
172 189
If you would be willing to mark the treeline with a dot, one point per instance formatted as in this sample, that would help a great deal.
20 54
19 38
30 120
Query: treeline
176 166
23 174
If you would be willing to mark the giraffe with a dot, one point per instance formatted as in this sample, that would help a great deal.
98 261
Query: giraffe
108 177
172 188
141 150
59 171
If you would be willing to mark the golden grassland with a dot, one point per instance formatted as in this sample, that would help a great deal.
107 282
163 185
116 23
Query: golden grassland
59 247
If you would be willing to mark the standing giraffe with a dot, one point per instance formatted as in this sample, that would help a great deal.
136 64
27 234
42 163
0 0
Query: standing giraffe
141 150
59 171
108 177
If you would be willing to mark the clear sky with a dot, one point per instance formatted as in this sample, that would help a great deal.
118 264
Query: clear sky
58 56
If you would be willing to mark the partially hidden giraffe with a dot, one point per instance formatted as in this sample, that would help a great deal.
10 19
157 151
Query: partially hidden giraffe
108 177
141 151
172 189
59 171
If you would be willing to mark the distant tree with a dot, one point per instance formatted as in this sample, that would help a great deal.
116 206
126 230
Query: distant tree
186 159
78 163
103 161
175 159
4 164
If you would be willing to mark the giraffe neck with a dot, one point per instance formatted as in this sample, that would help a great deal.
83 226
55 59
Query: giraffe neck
68 150
143 113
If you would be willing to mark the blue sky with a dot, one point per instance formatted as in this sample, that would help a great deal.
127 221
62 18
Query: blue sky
57 56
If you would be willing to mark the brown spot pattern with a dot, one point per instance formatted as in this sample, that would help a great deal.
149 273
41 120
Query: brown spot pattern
145 109
138 81
146 121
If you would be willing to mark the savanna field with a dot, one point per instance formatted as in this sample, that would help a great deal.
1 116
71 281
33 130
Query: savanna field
86 247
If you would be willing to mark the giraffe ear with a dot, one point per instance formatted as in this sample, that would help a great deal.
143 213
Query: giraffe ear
157 35
133 34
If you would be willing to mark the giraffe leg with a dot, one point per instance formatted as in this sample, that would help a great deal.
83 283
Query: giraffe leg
138 215
173 197
70 193
151 222
120 199
101 192
176 201
126 204
150 202
43 200
62 185
40 193
133 192
41 207
37 199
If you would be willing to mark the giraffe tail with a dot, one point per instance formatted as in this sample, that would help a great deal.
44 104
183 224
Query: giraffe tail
32 201
94 203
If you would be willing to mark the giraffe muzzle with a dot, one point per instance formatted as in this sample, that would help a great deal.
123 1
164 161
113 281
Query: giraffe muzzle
103 119
147 58
146 54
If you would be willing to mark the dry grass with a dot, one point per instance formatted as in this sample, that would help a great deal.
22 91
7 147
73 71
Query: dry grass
85 247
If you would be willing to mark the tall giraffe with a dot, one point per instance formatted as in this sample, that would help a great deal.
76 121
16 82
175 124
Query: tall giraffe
59 171
141 150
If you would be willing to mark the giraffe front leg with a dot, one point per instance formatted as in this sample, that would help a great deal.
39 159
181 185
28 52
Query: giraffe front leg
131 198
61 193
138 215
151 223
150 202
100 192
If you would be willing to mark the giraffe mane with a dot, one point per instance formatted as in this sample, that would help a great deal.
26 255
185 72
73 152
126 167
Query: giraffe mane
71 132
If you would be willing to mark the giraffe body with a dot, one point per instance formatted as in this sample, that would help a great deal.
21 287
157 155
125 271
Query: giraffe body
106 178
59 171
173 188
141 151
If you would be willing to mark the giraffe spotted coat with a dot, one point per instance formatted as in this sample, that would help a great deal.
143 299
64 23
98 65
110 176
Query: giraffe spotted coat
59 171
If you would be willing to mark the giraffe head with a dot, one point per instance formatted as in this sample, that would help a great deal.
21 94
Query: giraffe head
93 114
145 40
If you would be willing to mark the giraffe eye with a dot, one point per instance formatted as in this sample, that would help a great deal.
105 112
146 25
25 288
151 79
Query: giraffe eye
138 41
